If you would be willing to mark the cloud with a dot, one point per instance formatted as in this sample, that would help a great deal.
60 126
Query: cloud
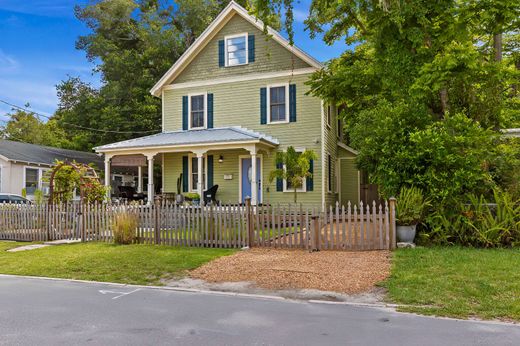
40 95
8 64
300 15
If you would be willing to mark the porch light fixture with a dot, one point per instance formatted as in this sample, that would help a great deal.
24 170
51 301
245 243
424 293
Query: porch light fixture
220 159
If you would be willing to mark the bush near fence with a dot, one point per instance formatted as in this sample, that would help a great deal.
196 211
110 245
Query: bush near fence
351 227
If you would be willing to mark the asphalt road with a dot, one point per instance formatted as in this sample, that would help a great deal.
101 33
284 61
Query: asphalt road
43 312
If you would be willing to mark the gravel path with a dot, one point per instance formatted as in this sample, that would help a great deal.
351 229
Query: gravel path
337 271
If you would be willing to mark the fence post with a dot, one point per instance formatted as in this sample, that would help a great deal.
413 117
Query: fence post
157 225
392 230
315 233
249 222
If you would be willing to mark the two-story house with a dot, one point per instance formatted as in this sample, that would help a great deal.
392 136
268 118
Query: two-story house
232 100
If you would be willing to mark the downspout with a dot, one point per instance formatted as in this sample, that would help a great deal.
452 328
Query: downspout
322 157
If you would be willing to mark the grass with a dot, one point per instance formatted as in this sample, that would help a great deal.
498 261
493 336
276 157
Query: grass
457 282
130 264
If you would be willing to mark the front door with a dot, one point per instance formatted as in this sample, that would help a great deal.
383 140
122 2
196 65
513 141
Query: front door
246 176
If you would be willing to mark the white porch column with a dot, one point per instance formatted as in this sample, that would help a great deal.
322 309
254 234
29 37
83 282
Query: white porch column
254 179
107 175
200 176
150 178
139 179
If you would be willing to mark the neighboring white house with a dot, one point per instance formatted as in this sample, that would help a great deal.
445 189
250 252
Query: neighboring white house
23 165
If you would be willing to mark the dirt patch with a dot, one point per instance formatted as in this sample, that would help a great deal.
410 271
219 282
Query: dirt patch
336 271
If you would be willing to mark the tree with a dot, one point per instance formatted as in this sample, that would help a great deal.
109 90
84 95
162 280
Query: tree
420 69
27 127
132 44
294 168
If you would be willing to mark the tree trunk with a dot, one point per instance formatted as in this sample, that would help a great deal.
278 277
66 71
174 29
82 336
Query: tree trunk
443 93
497 46
295 195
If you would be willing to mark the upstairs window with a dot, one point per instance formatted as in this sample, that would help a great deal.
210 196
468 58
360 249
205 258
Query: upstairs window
236 50
278 103
197 111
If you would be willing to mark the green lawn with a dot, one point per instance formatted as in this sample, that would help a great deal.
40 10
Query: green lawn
131 264
457 282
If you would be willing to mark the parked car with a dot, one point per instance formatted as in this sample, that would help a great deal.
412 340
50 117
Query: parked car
12 198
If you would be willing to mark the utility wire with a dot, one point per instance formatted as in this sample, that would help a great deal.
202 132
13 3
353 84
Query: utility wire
70 124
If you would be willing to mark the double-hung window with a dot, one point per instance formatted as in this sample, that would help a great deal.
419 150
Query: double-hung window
236 50
197 111
32 180
195 173
278 98
287 185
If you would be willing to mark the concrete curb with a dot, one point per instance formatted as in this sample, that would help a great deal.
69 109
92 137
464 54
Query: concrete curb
388 307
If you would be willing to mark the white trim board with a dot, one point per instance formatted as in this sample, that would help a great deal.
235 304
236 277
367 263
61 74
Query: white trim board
224 16
240 158
240 78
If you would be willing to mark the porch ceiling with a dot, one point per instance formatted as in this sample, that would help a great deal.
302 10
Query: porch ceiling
192 139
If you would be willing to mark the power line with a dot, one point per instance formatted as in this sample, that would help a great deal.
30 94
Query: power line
74 125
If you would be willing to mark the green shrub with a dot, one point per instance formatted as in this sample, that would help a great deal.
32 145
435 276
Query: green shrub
479 222
410 206
124 227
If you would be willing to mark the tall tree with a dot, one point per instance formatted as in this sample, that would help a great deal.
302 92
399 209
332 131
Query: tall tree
419 69
131 43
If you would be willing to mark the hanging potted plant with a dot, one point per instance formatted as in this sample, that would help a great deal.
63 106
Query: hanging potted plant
409 209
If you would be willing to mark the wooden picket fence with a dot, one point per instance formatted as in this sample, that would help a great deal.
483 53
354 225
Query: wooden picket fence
351 227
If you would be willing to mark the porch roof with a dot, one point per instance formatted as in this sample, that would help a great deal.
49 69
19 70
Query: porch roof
223 135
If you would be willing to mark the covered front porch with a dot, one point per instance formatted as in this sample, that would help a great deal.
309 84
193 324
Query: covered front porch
233 158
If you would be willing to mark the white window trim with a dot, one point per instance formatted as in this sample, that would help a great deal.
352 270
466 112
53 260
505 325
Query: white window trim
205 94
286 85
41 172
226 38
328 116
190 172
304 184
330 180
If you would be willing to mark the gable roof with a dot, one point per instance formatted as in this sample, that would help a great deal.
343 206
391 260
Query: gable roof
192 137
43 155
231 9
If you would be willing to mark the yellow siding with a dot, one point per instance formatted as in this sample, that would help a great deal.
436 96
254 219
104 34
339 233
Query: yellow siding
349 181
269 56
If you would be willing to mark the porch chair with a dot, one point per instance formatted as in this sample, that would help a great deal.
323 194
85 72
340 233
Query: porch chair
129 193
210 195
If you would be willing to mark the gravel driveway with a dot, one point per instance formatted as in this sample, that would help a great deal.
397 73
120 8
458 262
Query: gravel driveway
337 271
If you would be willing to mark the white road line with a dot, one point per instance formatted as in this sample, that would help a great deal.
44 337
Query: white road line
119 294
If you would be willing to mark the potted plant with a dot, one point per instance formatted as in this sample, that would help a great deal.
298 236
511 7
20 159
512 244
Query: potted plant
179 198
409 209
193 197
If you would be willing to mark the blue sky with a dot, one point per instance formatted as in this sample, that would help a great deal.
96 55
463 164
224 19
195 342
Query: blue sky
37 39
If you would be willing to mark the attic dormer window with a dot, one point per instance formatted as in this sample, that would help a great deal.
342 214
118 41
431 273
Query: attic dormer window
236 50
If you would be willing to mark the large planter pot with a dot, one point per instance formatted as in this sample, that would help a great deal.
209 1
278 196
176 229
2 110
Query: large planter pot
406 234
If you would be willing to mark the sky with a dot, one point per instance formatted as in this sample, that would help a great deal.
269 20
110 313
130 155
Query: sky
37 50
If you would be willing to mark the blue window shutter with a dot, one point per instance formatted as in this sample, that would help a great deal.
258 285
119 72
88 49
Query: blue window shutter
279 182
185 113
251 48
210 111
210 171
221 53
263 106
292 103
309 181
185 173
